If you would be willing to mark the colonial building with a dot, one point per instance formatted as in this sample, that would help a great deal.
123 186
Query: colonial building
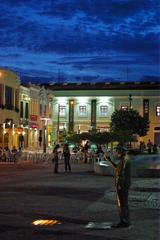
35 116
82 107
9 108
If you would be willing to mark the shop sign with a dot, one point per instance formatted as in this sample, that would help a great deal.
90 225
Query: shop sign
33 125
33 117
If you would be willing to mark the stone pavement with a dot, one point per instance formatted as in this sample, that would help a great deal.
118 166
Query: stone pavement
30 192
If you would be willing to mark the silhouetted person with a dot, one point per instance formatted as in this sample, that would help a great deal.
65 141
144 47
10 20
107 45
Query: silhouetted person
142 147
55 158
14 152
122 184
66 154
149 146
86 147
155 149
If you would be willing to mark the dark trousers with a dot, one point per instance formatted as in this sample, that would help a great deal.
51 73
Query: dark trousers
67 163
56 165
122 202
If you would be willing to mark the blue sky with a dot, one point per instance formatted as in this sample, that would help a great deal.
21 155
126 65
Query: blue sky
80 40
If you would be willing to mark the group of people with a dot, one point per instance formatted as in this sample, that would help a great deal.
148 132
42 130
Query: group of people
8 155
151 148
66 156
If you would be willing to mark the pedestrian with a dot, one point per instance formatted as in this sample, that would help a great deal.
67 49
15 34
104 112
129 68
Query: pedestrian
99 153
66 154
86 147
122 184
155 149
142 146
149 146
1 153
14 153
7 153
55 158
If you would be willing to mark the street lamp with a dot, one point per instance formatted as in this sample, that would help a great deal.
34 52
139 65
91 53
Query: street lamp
58 122
45 119
4 132
130 101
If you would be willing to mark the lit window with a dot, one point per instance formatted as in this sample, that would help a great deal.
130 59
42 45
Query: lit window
158 111
62 111
82 111
103 111
124 107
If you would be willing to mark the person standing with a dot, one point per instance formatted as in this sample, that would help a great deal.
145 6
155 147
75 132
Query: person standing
142 146
149 146
66 154
55 158
14 153
86 147
122 184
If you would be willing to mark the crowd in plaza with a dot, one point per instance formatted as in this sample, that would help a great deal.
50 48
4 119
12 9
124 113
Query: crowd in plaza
78 154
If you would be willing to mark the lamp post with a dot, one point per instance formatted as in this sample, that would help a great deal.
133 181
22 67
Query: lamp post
45 119
4 132
58 122
130 101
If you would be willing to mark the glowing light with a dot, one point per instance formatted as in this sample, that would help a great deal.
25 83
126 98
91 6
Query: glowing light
72 102
23 133
45 222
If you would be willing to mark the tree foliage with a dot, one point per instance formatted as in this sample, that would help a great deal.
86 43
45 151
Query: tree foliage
128 123
97 138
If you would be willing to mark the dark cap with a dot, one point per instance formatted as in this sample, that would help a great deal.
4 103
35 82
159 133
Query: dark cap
121 149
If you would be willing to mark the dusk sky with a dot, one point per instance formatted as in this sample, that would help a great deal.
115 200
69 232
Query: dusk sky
80 40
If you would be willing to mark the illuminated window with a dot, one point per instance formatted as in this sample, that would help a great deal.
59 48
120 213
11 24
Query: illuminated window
158 111
62 110
103 111
124 107
82 111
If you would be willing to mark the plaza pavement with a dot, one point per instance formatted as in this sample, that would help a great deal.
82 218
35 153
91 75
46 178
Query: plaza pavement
29 192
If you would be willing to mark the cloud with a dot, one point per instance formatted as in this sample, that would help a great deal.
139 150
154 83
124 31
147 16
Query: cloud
85 38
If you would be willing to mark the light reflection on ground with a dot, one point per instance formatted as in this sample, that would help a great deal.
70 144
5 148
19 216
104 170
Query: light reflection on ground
45 222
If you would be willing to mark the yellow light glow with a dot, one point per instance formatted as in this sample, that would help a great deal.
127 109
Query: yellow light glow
45 222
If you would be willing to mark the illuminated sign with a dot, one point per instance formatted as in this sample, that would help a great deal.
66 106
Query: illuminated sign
33 117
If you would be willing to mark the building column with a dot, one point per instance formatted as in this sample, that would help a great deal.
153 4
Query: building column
71 116
93 114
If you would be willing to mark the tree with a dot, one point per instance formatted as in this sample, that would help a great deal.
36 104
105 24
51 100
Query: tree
125 124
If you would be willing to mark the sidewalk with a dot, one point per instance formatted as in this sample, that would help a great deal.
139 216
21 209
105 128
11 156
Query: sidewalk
30 192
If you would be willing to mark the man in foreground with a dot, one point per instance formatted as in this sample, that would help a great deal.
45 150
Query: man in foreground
122 183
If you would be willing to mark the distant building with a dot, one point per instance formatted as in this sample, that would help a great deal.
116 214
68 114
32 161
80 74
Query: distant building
83 107
34 116
9 108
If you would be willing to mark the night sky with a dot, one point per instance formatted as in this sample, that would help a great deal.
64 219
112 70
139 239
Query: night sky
80 40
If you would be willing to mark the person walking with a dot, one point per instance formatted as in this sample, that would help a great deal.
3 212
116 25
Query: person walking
122 184
66 154
55 158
